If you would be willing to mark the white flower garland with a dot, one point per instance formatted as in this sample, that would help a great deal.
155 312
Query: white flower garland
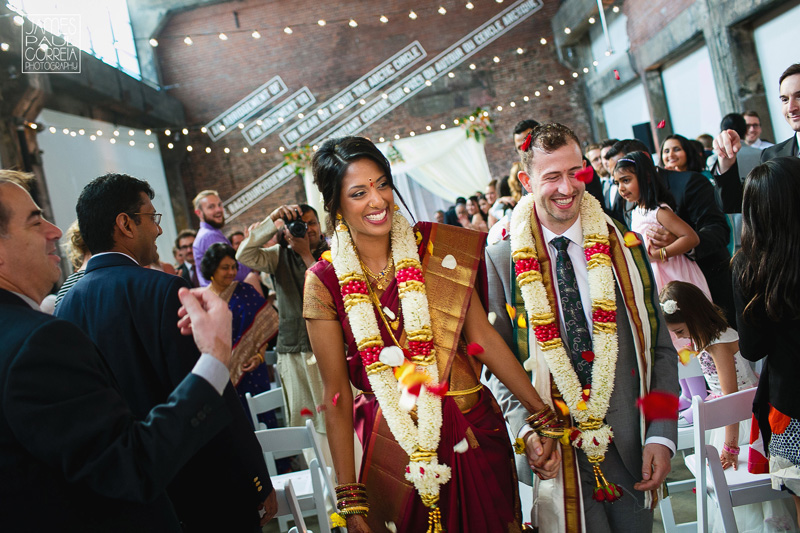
589 413
421 440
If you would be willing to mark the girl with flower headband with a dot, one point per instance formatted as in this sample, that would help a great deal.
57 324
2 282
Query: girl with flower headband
638 183
396 310
690 315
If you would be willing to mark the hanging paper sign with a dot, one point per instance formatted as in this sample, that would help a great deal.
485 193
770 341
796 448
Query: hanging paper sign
246 108
351 96
275 117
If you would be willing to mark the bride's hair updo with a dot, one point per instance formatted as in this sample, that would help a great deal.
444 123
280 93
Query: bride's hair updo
330 163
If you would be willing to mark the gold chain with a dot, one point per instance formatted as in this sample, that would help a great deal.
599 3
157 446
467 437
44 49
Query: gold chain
377 302
381 280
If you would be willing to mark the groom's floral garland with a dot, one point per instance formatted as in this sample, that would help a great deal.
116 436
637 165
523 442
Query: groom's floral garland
588 405
421 440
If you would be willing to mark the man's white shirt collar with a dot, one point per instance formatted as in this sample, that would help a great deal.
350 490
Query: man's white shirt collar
574 233
120 253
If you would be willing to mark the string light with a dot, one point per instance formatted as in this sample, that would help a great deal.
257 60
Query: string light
287 30
19 21
72 134
549 87
520 51
99 133
592 20
353 23
93 137
472 66
469 5
223 37
166 132
567 31
151 145
384 19
574 74
543 41
153 42
586 70
185 131
412 16
245 149
396 137
442 10
188 40
537 93
442 126
513 104
169 145
411 133
499 108
208 149
132 143
255 34
615 9
114 141
381 139
4 47
241 125
116 133
52 129
281 149
525 98
226 150
321 22
496 59
263 150
428 128
203 129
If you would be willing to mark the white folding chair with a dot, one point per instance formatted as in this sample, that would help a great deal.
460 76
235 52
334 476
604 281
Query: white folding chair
313 486
727 488
293 507
261 403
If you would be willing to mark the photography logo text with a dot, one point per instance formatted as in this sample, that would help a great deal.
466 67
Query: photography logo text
52 45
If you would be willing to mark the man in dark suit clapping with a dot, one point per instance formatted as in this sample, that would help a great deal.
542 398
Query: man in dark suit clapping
72 455
128 311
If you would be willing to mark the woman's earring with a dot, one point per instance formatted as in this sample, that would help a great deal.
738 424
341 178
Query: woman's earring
396 207
341 226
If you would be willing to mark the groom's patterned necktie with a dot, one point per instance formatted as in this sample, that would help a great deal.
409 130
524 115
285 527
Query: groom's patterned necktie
579 338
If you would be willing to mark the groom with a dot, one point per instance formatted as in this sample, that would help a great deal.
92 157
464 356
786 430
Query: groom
549 226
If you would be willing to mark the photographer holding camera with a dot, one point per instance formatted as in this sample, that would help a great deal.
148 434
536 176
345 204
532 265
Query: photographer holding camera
300 245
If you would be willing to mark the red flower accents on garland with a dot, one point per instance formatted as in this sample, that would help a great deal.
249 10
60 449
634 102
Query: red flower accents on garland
526 265
371 355
597 248
546 332
586 174
419 348
599 315
409 274
588 356
354 287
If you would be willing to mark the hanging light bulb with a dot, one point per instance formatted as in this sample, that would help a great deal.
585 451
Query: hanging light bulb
384 19
592 20
223 37
287 30
203 129
567 31
469 5
472 66
188 40
208 149
167 133
520 51
496 59
381 139
442 127
543 41
132 143
153 42
412 15
226 150
442 10
451 75
353 23
255 34
615 9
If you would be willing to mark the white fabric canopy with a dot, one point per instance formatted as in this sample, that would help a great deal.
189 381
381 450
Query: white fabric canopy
437 168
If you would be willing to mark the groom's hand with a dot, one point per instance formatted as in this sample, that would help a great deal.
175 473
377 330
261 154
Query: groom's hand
544 455
655 466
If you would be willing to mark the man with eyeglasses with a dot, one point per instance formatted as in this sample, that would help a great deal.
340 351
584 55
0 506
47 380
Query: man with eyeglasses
187 269
129 312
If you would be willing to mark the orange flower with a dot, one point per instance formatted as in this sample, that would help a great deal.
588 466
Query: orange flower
631 239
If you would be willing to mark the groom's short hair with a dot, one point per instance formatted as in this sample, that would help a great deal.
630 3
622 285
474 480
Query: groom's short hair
547 137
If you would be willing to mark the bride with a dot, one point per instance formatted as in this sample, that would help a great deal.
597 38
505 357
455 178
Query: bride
396 311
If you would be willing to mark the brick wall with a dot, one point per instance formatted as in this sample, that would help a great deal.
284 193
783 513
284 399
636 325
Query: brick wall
645 19
211 75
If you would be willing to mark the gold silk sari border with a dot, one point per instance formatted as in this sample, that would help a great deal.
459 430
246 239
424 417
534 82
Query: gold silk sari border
449 291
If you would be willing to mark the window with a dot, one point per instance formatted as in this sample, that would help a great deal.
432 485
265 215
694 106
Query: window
106 31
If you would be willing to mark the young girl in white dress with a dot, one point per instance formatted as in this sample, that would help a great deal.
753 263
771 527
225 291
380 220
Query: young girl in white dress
690 315
639 184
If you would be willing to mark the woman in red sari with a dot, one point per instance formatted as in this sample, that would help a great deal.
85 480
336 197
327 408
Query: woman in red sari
395 300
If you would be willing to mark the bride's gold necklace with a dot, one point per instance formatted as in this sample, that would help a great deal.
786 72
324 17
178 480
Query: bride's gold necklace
390 325
383 277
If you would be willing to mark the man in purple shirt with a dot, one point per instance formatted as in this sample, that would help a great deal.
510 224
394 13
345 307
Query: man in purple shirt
208 208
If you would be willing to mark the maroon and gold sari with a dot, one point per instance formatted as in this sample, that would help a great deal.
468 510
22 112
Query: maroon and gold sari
482 495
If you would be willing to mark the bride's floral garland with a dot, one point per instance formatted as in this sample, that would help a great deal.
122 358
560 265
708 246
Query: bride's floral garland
588 405
421 440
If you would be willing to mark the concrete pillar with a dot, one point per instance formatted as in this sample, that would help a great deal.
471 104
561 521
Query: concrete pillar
657 105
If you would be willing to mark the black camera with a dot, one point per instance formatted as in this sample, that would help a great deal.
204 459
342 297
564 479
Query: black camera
297 228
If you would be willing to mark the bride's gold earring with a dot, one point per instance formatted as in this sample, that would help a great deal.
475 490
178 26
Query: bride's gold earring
396 207
341 226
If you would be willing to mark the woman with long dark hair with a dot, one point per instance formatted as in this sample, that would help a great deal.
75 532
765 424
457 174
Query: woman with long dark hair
677 153
766 290
396 311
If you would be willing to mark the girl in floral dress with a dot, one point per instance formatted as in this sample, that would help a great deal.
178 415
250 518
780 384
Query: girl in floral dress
690 315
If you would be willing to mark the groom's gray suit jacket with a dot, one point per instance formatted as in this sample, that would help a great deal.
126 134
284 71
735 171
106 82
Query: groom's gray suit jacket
622 415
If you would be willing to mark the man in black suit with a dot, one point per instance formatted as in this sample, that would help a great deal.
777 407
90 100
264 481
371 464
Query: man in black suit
728 143
72 455
696 204
187 269
128 312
